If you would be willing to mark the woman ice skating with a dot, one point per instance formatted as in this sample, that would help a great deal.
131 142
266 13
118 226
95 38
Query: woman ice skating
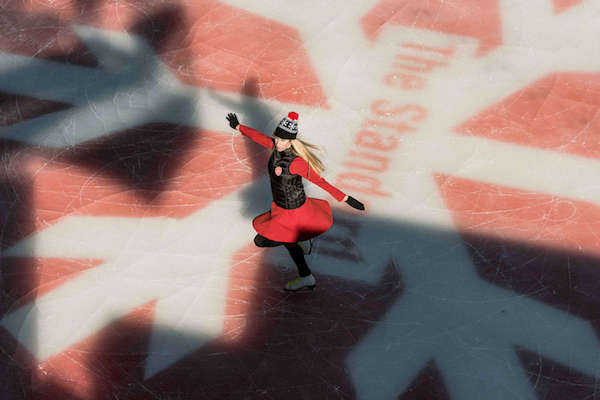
293 217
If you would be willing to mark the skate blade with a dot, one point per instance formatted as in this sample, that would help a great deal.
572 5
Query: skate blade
302 289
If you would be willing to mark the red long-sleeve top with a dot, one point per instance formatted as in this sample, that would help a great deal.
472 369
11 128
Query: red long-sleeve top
299 166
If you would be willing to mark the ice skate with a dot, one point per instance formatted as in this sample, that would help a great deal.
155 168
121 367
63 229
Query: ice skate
301 283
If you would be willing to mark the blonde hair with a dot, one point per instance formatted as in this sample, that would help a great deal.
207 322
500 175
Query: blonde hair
305 150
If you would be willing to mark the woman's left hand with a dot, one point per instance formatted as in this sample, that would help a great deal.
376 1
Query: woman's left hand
352 202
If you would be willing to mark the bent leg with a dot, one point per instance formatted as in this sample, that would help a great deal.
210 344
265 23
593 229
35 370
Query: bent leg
294 249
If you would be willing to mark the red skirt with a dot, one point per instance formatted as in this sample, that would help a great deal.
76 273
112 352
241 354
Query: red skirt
305 222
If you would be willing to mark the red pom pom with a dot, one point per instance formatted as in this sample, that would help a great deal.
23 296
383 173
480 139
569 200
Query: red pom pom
293 115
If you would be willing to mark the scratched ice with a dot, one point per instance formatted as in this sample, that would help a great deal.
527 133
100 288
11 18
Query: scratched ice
447 313
189 278
109 99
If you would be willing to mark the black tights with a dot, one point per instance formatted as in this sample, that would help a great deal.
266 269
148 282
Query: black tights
293 248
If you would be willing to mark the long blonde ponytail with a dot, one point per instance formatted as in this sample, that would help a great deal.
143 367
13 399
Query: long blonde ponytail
305 150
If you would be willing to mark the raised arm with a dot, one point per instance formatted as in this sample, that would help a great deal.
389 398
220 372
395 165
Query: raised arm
256 136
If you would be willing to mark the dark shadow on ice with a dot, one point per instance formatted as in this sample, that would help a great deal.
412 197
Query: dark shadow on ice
119 358
18 280
145 158
15 108
567 281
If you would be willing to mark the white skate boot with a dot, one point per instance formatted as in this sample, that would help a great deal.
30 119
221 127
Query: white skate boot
301 283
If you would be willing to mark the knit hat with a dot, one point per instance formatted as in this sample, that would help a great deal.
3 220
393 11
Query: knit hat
288 127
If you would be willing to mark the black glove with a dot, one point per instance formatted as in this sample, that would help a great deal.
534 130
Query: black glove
355 203
233 121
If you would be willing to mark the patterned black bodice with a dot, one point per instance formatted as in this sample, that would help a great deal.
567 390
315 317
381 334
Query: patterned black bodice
287 188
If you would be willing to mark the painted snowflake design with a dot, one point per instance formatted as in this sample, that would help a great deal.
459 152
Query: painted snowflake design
446 313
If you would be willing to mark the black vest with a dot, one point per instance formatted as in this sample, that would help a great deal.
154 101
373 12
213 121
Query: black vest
287 189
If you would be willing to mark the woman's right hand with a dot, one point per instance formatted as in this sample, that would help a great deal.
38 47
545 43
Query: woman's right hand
233 121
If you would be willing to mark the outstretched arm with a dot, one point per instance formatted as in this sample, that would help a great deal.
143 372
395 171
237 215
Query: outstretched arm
301 167
256 136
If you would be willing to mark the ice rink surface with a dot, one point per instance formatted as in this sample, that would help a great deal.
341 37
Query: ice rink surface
469 128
